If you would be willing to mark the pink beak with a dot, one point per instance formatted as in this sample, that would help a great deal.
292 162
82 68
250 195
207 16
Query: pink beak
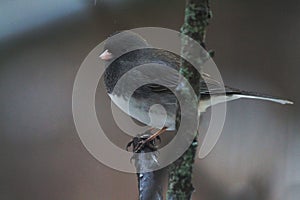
106 55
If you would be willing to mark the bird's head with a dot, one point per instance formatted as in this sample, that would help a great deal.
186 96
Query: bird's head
121 43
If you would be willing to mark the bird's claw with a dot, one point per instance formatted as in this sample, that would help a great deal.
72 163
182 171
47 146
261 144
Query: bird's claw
139 146
129 144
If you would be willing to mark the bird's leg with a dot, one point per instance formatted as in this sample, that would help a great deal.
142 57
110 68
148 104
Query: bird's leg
156 134
152 137
140 141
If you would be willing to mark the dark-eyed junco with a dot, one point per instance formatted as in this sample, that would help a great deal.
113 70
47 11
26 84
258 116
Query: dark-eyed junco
127 50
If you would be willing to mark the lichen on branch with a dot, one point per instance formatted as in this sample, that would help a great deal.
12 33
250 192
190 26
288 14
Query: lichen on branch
197 16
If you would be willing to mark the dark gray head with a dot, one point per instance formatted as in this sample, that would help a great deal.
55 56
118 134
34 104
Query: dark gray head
120 43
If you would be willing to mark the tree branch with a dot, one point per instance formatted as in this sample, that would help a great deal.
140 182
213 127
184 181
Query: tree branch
197 15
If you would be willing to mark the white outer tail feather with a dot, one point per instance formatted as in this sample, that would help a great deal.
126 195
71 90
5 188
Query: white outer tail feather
204 104
281 101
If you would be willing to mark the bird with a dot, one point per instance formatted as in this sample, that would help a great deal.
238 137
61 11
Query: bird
126 50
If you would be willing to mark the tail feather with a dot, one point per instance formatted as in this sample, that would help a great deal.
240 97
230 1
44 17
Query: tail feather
263 97
230 96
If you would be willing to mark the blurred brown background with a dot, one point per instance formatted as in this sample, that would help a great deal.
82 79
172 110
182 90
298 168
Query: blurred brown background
42 45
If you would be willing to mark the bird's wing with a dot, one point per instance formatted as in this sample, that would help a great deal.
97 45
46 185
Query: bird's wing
161 72
210 86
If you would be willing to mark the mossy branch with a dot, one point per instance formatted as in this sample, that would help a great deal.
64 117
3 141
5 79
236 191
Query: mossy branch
197 16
